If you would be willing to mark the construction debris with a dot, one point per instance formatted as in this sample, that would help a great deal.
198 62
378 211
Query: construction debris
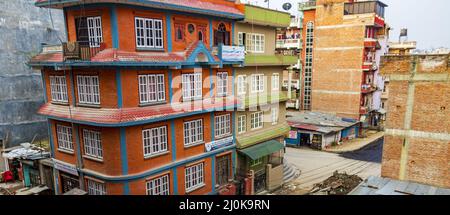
337 184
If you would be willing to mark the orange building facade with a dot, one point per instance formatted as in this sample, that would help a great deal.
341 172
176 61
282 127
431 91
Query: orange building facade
140 99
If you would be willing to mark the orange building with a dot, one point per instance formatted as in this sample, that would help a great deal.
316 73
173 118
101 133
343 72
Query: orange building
140 98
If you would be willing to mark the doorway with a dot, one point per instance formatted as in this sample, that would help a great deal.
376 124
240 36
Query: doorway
68 182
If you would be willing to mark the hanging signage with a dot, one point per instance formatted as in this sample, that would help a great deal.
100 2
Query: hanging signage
233 53
214 145
71 169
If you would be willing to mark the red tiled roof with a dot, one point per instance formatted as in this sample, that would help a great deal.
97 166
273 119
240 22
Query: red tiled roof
110 116
196 4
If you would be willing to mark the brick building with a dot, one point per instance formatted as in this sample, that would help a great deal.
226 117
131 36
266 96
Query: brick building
417 132
140 98
343 41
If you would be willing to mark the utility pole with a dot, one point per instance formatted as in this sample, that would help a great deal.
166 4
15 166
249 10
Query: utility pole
268 3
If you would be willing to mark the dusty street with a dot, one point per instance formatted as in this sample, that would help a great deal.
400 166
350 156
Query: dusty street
317 166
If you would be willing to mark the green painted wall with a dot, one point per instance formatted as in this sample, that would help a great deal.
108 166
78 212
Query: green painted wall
263 16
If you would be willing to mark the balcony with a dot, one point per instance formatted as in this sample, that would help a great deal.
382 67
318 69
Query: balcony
295 84
365 7
289 43
81 50
296 22
309 5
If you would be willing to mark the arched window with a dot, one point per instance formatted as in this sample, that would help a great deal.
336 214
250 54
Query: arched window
200 36
221 35
308 66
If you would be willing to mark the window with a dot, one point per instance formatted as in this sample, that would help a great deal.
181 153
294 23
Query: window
274 113
155 140
254 43
92 144
308 66
242 124
257 83
223 169
241 39
58 88
64 134
88 90
96 188
194 177
158 186
222 83
256 120
241 84
192 86
256 162
179 32
149 33
275 81
221 35
193 132
222 125
89 31
151 88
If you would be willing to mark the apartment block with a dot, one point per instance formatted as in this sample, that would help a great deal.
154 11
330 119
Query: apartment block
260 121
344 40
417 132
140 99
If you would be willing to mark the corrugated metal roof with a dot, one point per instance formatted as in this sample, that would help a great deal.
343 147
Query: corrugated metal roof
384 186
320 122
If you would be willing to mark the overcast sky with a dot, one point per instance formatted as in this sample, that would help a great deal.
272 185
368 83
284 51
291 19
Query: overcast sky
428 21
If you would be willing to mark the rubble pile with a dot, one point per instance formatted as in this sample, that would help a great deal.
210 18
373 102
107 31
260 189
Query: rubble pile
337 184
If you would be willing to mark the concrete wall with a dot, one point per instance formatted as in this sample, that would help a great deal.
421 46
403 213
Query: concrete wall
417 141
23 27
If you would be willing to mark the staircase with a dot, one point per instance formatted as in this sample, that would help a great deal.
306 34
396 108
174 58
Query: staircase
290 171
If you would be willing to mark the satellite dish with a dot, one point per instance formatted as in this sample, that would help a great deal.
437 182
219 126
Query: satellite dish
287 6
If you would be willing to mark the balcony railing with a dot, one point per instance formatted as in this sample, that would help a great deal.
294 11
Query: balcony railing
368 88
376 7
307 5
288 43
82 50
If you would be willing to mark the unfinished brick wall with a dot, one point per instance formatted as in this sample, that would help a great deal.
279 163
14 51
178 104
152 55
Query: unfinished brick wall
338 51
417 142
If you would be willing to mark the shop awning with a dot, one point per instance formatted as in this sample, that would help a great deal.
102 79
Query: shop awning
262 149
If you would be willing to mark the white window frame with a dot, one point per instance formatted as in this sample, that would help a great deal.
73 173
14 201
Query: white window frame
149 33
64 135
151 88
96 188
193 132
154 141
158 186
257 120
95 33
58 88
92 141
275 81
194 177
88 89
241 84
274 115
222 125
257 83
241 38
255 43
222 83
192 86
242 124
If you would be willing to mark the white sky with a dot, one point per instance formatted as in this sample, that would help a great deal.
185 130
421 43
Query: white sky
428 21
